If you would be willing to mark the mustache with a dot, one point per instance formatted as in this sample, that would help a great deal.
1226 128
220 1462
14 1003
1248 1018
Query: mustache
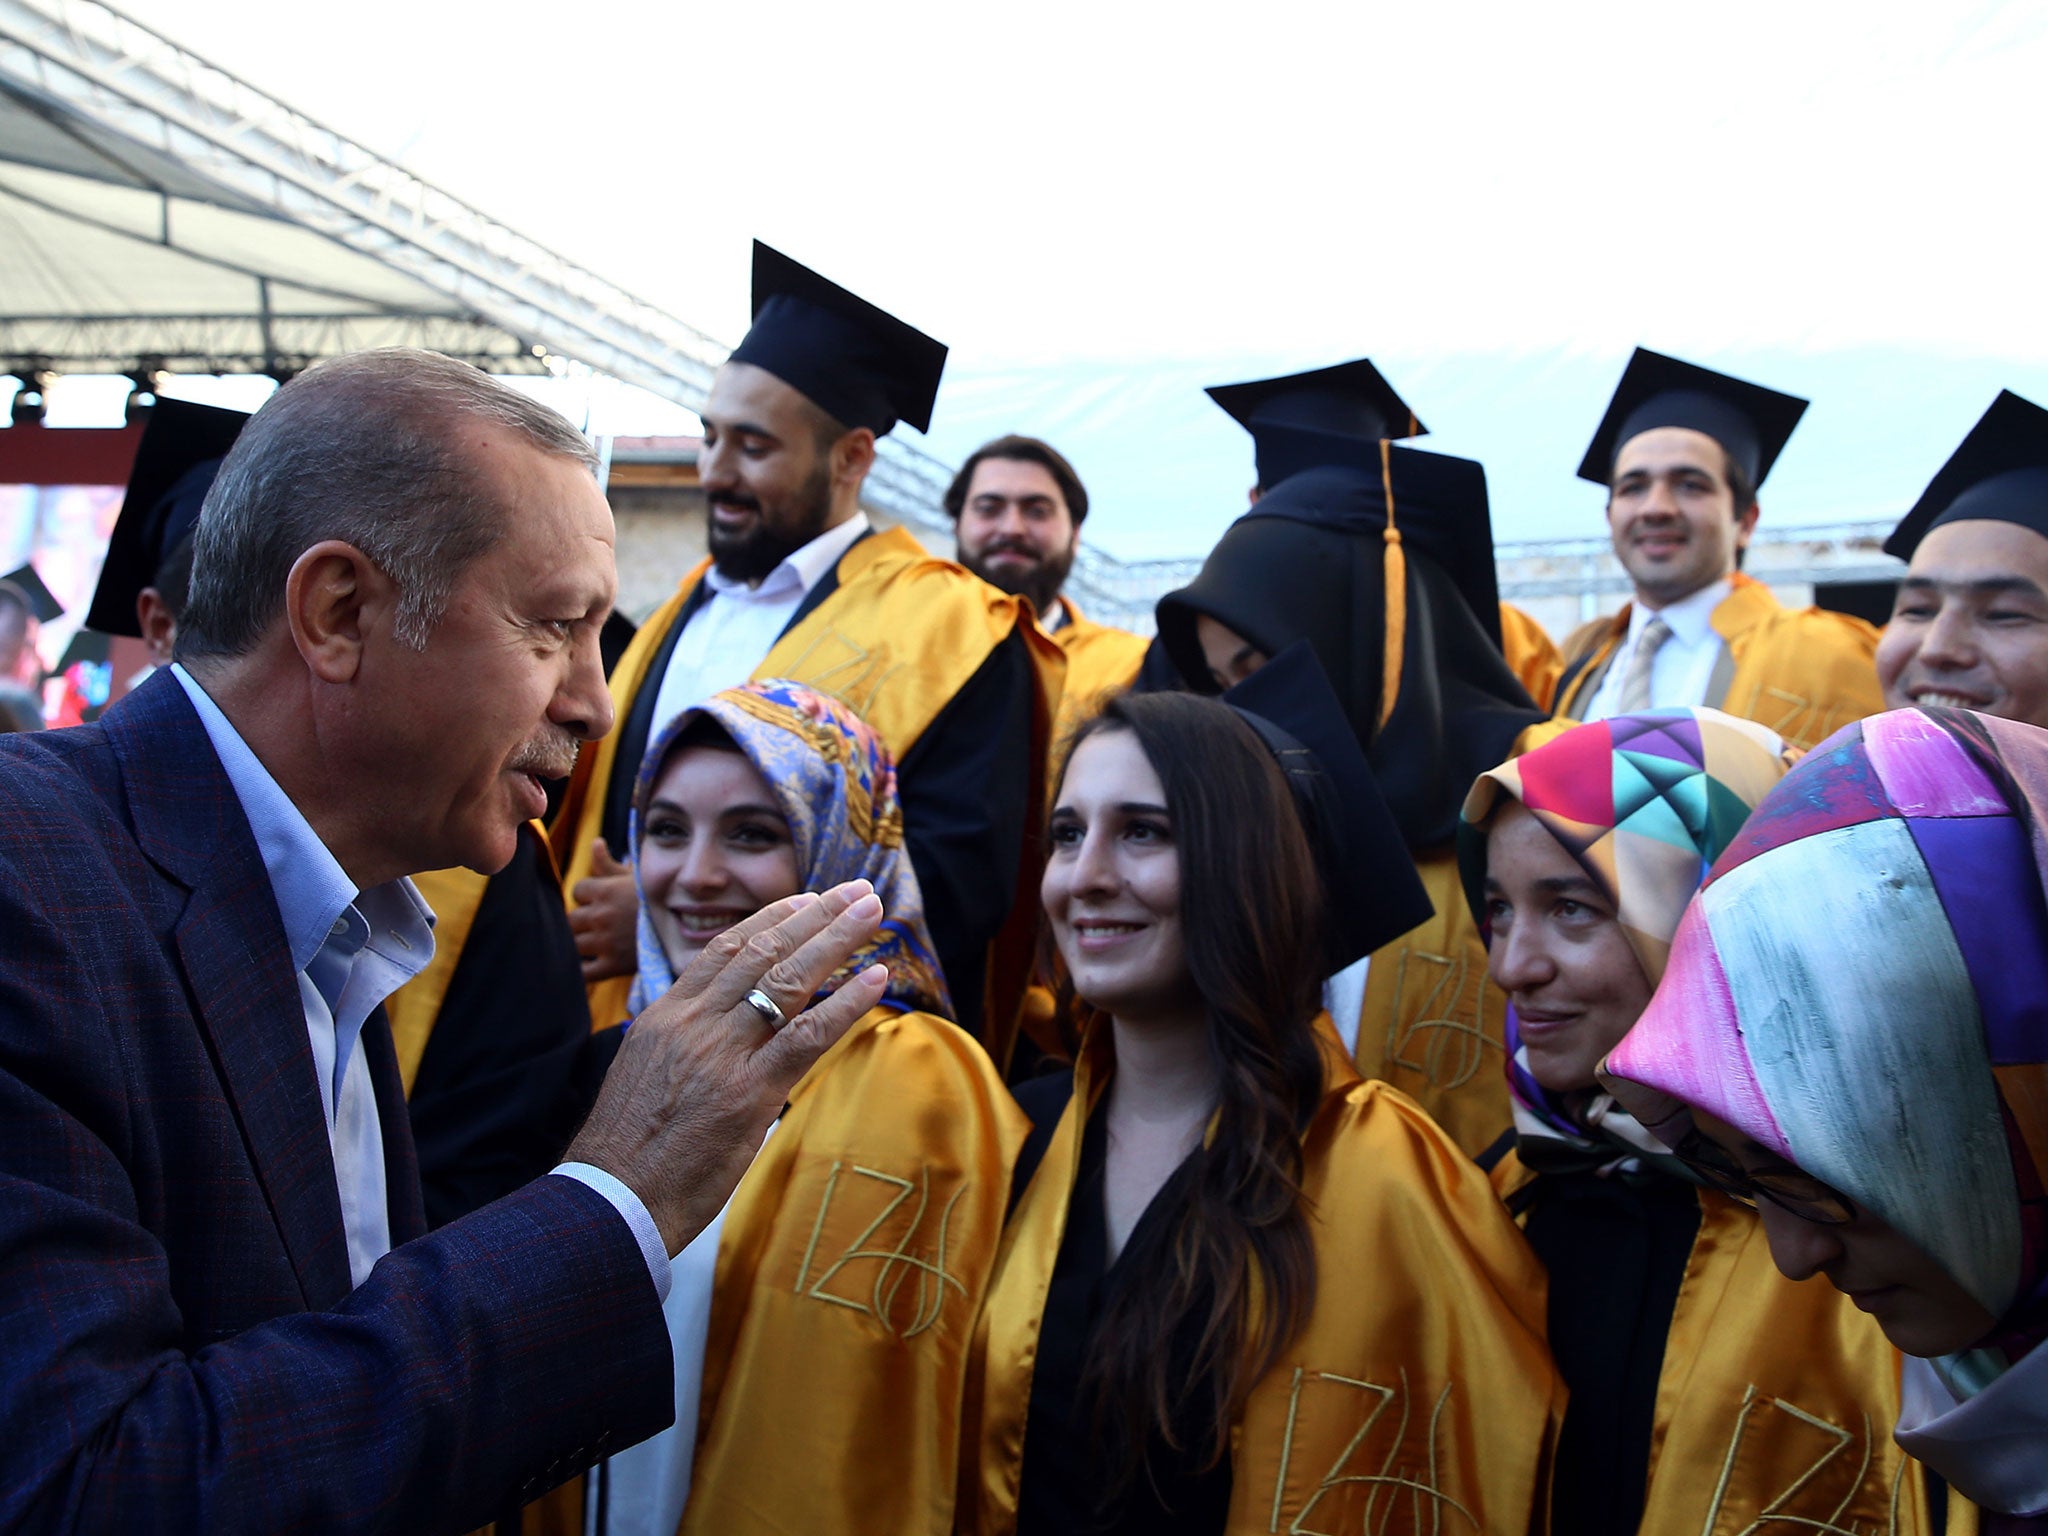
1010 547
549 756
739 501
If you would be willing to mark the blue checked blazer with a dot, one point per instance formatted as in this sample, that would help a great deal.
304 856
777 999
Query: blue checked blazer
179 1347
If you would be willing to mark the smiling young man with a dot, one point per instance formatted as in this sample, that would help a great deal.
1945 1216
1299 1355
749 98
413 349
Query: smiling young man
1970 627
953 675
1682 451
1017 508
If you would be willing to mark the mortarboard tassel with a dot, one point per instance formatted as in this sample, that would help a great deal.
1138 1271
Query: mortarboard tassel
1396 594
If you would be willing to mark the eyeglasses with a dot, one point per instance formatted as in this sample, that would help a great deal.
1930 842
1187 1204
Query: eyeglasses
1785 1187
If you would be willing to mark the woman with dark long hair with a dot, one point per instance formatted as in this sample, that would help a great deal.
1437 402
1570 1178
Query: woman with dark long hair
1242 1288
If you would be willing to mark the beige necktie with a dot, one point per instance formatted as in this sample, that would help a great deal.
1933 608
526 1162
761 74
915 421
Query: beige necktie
1635 683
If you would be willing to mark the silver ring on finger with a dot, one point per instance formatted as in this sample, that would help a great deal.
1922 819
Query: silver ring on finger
769 1011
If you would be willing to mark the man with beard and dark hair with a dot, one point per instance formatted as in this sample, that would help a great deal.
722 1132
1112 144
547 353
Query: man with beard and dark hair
1017 508
954 676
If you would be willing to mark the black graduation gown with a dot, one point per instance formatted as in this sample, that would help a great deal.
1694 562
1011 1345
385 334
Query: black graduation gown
511 1067
1616 1250
1060 1490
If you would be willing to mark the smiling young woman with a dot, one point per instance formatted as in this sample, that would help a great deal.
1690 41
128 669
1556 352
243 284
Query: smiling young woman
829 1307
1851 1029
1699 1377
1178 1338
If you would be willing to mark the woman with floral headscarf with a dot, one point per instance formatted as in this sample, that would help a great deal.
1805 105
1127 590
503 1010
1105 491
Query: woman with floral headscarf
1853 1031
820 1324
1707 1393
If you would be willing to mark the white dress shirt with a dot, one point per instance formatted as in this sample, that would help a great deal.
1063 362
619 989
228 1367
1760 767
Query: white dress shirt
1683 669
1344 999
730 635
647 1485
351 950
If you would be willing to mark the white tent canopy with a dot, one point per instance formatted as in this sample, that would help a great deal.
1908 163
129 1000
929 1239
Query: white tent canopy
157 213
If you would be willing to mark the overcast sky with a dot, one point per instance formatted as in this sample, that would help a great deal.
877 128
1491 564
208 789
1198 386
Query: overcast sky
1101 206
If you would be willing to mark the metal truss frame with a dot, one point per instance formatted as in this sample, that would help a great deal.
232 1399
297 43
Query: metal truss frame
274 344
90 59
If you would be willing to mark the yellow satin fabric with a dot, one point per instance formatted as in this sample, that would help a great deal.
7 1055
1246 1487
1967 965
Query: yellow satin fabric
901 634
1531 654
1100 661
1776 1401
1418 1398
1432 1023
850 1267
1804 672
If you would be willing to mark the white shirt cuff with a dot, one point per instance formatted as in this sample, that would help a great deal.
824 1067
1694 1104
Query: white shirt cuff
630 1206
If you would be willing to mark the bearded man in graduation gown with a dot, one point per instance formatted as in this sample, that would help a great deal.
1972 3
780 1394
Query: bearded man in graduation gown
1682 451
1381 558
953 675
1017 508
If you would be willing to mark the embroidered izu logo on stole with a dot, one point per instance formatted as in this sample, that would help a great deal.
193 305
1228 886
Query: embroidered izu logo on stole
835 663
1786 1469
1447 1043
1387 1474
881 1244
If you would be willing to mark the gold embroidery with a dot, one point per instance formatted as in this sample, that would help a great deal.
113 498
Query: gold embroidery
855 677
895 1266
1777 1513
1426 1502
1799 717
1456 1044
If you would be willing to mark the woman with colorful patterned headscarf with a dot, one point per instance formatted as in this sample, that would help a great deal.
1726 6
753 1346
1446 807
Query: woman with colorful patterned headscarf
820 1324
1854 1028
1702 1383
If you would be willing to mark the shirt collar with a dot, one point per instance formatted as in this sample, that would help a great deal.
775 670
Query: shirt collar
1057 617
1690 619
804 568
313 891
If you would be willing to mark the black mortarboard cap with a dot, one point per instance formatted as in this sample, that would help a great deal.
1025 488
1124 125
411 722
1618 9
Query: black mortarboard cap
42 602
1369 881
1438 502
1751 422
1346 400
859 364
175 463
1999 474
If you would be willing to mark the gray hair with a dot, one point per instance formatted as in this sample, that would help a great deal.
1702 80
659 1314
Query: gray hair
360 449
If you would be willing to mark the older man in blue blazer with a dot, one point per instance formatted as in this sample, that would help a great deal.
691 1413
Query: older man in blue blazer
218 1308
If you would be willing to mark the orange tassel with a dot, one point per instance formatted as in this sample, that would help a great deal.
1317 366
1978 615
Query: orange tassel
1396 595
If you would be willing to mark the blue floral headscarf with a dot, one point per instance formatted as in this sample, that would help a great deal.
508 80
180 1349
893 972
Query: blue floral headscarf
836 785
